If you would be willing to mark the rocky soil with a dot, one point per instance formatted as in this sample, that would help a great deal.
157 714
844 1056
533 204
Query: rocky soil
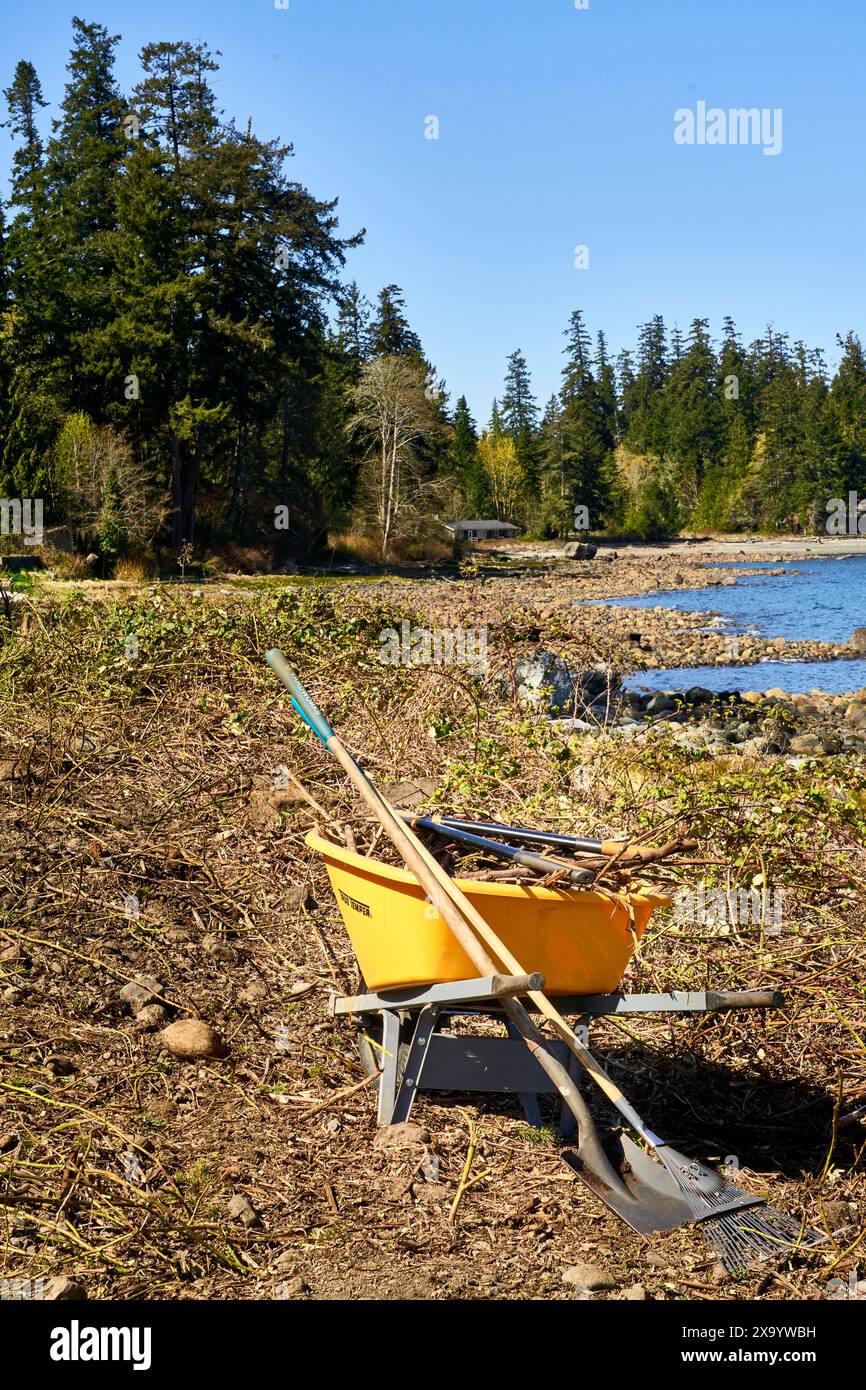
181 1118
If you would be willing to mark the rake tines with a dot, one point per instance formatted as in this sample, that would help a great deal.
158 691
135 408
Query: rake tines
743 1229
746 1238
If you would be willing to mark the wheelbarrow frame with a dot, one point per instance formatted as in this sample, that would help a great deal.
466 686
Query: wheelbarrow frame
415 1055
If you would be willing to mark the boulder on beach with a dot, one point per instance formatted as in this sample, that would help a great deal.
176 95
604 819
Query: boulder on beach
580 550
567 691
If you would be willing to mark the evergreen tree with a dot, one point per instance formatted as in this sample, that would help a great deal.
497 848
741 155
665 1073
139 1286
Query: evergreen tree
34 383
694 420
520 421
390 334
648 406
586 436
83 158
353 324
626 385
848 402
24 100
465 463
175 100
605 378
519 408
556 512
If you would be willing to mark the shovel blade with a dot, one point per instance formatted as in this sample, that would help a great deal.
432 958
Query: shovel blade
653 1202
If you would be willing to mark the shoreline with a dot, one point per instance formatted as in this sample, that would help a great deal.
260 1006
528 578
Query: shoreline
763 549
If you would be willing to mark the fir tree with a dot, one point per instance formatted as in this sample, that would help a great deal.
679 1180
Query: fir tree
465 462
390 334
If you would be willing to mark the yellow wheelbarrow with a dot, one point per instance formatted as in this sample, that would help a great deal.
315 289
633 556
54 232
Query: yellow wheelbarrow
580 942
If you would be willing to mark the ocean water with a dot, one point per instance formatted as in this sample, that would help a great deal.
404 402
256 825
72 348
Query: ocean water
821 600
794 677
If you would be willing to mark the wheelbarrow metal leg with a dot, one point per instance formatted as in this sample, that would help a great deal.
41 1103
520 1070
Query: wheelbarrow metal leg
418 1049
390 1061
528 1099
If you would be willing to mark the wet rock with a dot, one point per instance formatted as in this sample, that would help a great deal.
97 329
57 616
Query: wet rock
191 1038
660 704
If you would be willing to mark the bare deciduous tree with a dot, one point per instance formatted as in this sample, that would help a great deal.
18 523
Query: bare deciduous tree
100 487
393 413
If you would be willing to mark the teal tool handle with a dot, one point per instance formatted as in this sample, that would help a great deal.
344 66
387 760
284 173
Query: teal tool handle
303 703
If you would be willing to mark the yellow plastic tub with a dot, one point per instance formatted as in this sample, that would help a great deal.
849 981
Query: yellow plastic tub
581 942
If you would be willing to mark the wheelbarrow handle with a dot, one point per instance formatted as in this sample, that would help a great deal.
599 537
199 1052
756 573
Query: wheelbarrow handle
719 1000
301 699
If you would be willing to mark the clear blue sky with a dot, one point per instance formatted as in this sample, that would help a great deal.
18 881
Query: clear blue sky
556 128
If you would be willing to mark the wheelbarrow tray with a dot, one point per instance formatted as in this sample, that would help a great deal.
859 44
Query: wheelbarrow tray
580 941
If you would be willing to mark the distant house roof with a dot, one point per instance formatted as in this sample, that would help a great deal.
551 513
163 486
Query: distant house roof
482 527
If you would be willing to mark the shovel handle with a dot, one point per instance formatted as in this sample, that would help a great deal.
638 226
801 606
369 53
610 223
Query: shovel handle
301 699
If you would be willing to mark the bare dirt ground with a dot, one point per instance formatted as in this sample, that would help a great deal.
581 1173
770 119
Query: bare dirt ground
142 835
